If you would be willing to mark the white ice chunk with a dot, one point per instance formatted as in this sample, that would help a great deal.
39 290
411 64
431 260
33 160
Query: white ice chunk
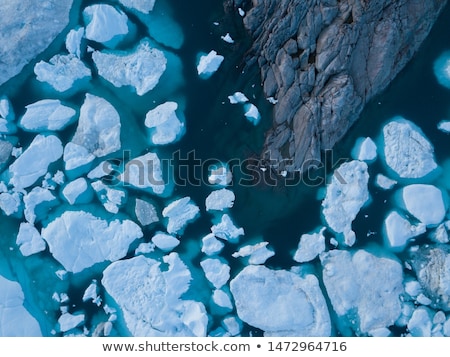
62 72
165 242
232 325
384 182
220 200
73 41
142 68
74 191
105 24
357 284
310 246
47 114
238 97
222 299
220 175
252 113
144 248
37 202
226 230
91 293
76 156
346 194
211 245
208 64
216 271
399 230
440 234
164 124
144 6
111 198
101 170
68 321
364 150
227 38
444 126
241 12
15 320
406 150
29 240
6 109
413 288
257 253
425 202
179 213
35 160
10 203
78 240
420 323
441 69
145 212
98 127
266 299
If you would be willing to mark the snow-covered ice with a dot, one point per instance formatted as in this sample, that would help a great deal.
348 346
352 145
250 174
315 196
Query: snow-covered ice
233 325
141 68
420 323
7 116
91 293
444 126
37 203
145 212
76 157
257 253
220 175
68 321
208 64
399 230
211 245
252 113
226 229
222 299
111 198
144 6
29 240
267 298
364 150
237 97
10 203
179 213
77 191
216 271
78 239
74 41
310 246
47 114
165 242
384 182
220 200
164 124
227 38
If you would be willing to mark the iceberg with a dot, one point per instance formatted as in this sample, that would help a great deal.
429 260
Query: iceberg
233 325
35 160
140 69
310 246
216 271
145 212
7 116
76 157
37 204
421 323
47 114
77 191
407 151
345 196
63 72
237 97
165 242
226 230
164 124
179 213
444 126
91 293
208 64
78 239
256 253
73 41
111 198
68 321
29 240
220 175
220 200
252 113
398 230
364 150
227 38
384 182
222 300
441 69
266 299
144 6
364 288
211 245
10 203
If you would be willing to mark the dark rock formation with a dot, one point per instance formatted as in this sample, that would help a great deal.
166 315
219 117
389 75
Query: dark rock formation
324 59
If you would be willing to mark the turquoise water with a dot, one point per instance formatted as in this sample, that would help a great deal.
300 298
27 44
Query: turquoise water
217 130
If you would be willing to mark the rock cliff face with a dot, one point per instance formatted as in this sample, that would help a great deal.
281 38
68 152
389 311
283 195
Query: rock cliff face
324 59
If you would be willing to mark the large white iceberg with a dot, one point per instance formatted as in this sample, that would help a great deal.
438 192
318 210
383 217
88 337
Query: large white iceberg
179 213
140 69
164 124
208 64
35 160
150 299
252 113
406 150
280 302
78 240
346 194
398 230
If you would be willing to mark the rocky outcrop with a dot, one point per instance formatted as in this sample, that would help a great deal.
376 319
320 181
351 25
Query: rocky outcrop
27 28
322 60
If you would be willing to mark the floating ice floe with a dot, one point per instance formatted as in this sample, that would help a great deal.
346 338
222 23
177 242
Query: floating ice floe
310 246
216 271
35 160
78 240
220 200
364 288
47 114
179 213
208 64
73 41
138 284
444 126
77 191
440 234
441 69
91 293
111 198
257 253
399 230
164 124
384 182
211 245
165 242
15 320
227 38
421 323
252 113
68 321
10 203
145 212
226 230
140 69
266 298
364 150
63 72
406 150
29 240
7 116
105 24
222 300
144 6
233 325
345 196
76 157
37 203
237 97
220 175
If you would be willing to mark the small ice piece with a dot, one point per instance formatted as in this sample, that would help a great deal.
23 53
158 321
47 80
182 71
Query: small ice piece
380 332
420 323
310 246
406 150
220 175
91 293
272 100
241 12
98 127
252 113
439 317
73 41
101 170
165 242
78 240
237 97
77 191
68 321
10 203
425 202
37 202
399 230
76 156
179 213
208 64
15 320
346 195
141 68
227 38
47 114
364 150
266 298
164 124
440 234
144 172
257 253
222 299
29 240
211 245
384 182
35 160
444 126
62 72
144 6
7 116
413 288
145 212
111 198
144 248
216 271
220 200
441 69
226 230
357 282
232 325
105 24
423 300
